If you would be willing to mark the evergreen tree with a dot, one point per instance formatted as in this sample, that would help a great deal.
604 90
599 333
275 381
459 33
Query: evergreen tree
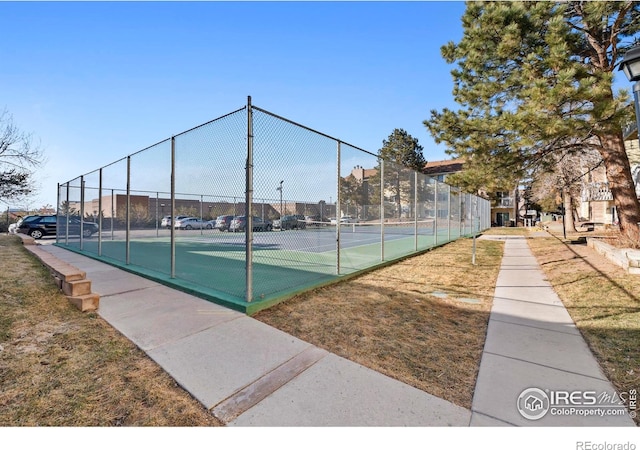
534 79
402 155
350 193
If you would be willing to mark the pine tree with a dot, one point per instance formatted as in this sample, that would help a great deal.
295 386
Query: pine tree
534 79
402 155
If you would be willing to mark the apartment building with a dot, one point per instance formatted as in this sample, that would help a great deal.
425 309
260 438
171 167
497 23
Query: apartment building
596 199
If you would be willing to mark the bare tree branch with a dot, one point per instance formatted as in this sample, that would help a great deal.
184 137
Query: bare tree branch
19 157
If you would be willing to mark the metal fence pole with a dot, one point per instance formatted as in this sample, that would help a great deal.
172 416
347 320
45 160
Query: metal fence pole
100 213
66 219
173 207
337 210
128 213
113 214
381 209
448 212
81 211
470 202
415 211
487 214
435 223
473 213
460 219
201 219
57 214
248 204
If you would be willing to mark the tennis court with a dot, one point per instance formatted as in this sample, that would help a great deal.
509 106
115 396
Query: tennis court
212 264
256 164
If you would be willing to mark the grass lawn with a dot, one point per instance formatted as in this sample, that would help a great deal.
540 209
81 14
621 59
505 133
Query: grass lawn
422 321
60 367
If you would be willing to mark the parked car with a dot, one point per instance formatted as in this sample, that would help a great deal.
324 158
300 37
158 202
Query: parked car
39 226
192 223
290 222
239 224
348 219
13 228
316 221
222 222
166 221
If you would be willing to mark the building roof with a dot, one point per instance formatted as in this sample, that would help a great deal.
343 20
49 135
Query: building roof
445 166
362 174
370 172
431 168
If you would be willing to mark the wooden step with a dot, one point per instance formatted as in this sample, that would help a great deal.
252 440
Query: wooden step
88 302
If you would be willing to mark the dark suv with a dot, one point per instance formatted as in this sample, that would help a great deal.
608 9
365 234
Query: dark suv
39 226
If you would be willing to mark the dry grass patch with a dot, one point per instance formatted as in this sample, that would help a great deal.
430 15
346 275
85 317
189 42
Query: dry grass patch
507 231
395 321
61 367
604 302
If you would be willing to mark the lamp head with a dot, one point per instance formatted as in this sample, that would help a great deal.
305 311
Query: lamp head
630 64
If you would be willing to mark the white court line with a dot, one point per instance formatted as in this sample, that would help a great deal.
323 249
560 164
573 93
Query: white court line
354 239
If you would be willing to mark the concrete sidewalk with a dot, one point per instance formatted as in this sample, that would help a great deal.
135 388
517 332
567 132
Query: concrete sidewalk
532 342
250 374
246 372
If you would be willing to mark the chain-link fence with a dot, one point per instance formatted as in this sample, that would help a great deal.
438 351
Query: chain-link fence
251 208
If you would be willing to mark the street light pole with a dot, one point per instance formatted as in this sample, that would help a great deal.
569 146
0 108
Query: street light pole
630 65
280 189
636 96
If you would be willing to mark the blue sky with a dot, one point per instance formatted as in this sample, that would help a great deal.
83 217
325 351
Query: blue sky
97 81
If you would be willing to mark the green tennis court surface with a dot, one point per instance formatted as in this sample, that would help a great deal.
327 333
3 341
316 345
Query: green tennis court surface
212 265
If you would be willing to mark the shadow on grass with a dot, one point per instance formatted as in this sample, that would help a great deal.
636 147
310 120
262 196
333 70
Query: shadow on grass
432 344
613 282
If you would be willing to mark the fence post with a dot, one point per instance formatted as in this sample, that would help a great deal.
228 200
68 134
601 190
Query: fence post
435 223
66 219
381 209
448 213
460 212
173 207
248 205
415 210
473 213
100 213
113 214
201 218
57 214
81 212
128 212
338 210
